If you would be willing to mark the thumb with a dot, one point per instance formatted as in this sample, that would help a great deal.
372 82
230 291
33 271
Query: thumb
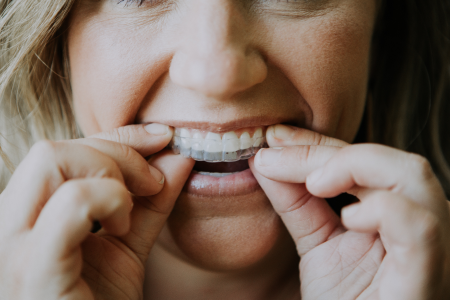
309 219
149 214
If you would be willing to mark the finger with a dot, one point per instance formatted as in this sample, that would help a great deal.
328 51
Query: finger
294 163
145 139
150 213
400 220
67 218
380 167
413 233
309 220
283 135
140 178
39 175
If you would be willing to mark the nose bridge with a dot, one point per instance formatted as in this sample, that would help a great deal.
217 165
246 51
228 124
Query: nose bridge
212 26
214 55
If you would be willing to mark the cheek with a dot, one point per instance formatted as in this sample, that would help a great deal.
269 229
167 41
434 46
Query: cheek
109 72
328 62
340 77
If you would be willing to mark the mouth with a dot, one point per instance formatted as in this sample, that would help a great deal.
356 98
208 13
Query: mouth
222 159
221 167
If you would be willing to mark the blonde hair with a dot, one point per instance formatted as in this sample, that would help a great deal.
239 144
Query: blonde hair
409 85
34 78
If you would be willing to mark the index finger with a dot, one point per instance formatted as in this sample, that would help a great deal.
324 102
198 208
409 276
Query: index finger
292 164
145 139
150 213
283 135
378 167
295 153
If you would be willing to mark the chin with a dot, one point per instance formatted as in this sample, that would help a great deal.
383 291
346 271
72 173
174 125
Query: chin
242 238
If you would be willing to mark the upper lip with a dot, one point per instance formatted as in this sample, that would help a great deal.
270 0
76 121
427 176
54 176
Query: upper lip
231 125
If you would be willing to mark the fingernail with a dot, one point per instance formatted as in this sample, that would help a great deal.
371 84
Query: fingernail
283 132
157 175
157 129
349 211
314 176
269 156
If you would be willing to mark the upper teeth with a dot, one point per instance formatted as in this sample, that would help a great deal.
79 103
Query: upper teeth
201 145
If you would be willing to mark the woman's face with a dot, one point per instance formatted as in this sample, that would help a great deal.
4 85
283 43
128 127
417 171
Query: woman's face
222 65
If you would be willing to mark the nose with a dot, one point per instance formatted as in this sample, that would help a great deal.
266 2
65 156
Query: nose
215 55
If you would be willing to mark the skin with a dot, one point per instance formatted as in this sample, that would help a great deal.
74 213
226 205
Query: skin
221 65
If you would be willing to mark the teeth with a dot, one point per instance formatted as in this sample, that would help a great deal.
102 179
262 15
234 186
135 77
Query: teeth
214 174
185 141
213 142
213 147
230 142
197 142
246 141
256 137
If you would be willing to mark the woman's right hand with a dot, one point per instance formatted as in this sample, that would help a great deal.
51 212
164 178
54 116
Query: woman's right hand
60 188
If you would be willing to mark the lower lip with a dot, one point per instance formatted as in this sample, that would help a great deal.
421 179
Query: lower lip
237 184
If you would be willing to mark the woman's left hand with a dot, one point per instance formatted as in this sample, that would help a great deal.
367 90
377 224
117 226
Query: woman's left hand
393 244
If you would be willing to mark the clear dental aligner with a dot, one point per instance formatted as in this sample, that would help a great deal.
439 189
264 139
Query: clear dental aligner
215 147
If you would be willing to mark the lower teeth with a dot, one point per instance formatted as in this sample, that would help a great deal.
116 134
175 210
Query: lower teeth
215 174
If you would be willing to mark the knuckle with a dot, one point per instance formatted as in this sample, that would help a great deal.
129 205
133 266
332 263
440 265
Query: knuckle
120 197
381 203
121 135
110 171
429 227
420 165
127 153
320 139
75 192
351 151
303 153
43 149
117 188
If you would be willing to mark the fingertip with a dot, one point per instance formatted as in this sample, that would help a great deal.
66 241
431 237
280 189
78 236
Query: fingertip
157 176
157 129
350 211
270 135
169 163
268 156
256 160
313 178
284 133
252 163
325 184
119 222
317 184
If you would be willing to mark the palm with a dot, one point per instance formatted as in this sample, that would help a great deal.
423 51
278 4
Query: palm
344 267
111 270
